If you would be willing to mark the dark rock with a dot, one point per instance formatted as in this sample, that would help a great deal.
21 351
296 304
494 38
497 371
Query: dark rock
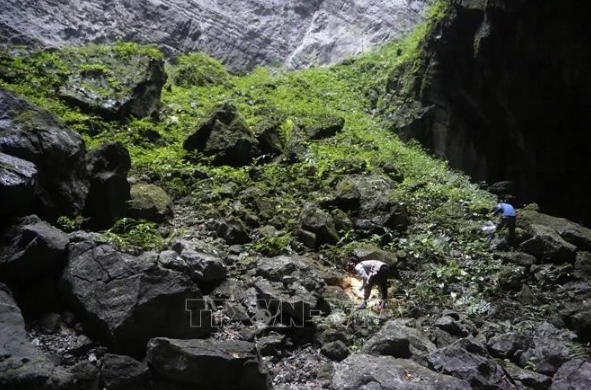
81 345
573 375
346 196
208 364
18 179
307 238
397 339
226 136
279 304
367 228
58 153
120 372
547 245
270 345
578 319
137 93
270 137
22 366
233 232
109 190
364 372
467 359
325 127
110 157
50 322
547 349
397 218
335 350
204 267
32 257
503 189
571 232
506 345
149 202
583 265
320 223
289 269
451 326
127 300
518 258
81 376
32 249
107 201
172 260
528 378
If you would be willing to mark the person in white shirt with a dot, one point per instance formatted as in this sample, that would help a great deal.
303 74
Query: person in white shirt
372 273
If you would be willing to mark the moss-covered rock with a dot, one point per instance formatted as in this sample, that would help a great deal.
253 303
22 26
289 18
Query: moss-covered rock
115 82
226 136
149 202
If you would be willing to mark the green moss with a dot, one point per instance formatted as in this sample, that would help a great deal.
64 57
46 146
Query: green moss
442 203
198 69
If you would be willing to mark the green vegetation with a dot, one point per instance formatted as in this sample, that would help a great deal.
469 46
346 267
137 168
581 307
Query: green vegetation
443 205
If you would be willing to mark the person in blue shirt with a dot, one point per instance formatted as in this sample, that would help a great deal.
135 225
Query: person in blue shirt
507 219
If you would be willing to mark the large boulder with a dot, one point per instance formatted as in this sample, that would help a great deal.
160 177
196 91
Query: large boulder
571 232
149 202
32 258
59 155
120 372
127 300
208 364
109 190
547 348
18 179
547 245
22 366
364 372
573 375
135 93
202 266
225 135
320 223
468 359
398 340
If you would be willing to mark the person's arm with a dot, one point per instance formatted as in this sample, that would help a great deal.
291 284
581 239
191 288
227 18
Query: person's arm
495 211
360 271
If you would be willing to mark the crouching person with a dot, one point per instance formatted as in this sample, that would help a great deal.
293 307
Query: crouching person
371 273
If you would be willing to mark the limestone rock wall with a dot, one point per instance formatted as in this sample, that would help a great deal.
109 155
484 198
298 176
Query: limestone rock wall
243 33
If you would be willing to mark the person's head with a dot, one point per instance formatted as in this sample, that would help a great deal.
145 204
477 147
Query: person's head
350 267
351 262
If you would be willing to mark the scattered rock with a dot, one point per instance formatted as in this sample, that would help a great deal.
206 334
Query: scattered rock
209 364
335 350
359 372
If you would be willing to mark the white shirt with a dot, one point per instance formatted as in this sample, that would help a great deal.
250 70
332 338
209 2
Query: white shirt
368 268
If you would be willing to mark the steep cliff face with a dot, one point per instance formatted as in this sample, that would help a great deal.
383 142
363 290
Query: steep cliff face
241 33
505 94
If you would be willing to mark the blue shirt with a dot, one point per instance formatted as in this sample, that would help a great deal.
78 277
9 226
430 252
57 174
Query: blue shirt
506 209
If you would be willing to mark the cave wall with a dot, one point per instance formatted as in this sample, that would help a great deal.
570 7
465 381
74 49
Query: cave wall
505 94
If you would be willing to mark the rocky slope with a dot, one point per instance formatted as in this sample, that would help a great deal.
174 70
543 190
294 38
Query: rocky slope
236 280
202 245
241 33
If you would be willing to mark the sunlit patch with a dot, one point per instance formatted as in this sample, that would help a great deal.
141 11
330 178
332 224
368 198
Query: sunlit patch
351 285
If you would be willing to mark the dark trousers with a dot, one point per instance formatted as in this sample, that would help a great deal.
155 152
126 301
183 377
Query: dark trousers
509 223
380 279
